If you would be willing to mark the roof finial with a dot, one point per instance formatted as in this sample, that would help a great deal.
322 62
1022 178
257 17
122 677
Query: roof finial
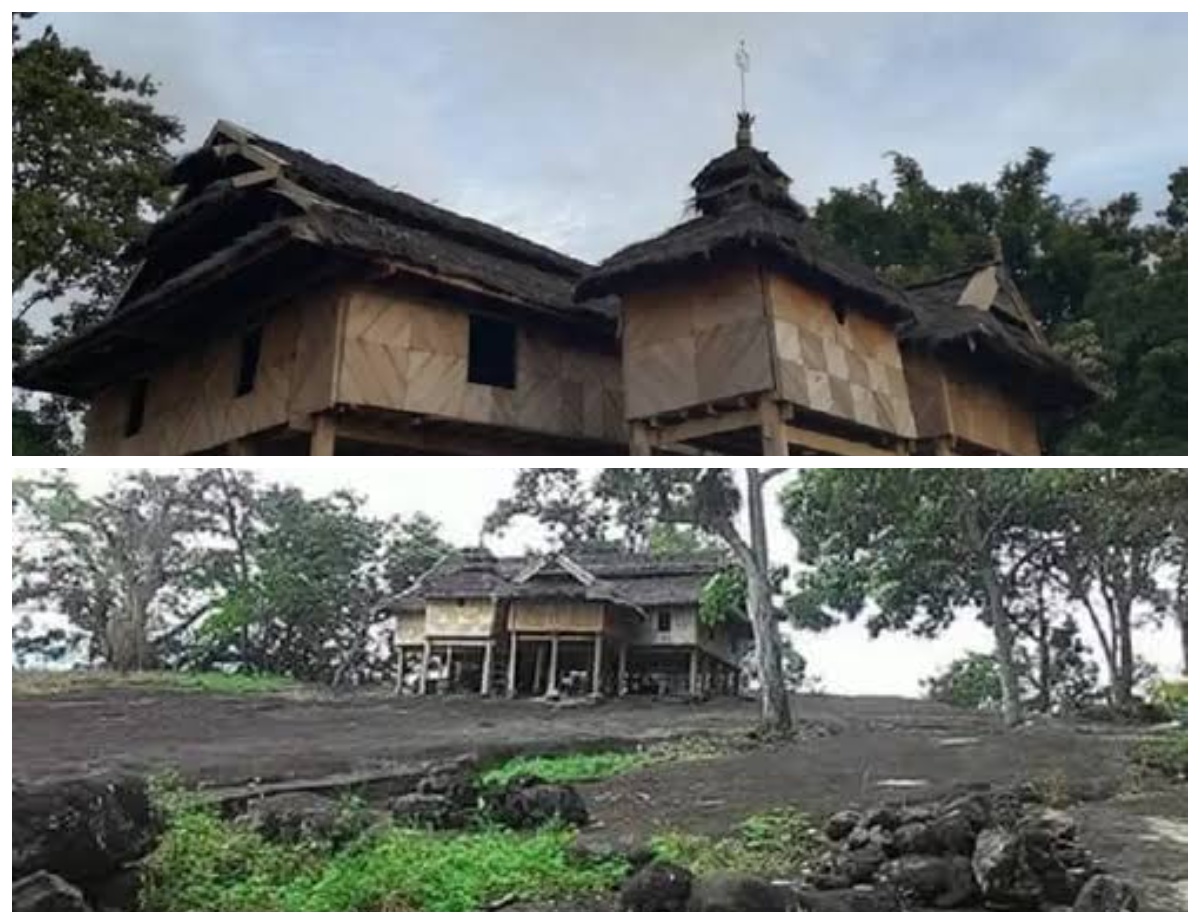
742 59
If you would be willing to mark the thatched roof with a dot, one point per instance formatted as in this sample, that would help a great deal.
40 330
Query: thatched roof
746 211
998 335
239 183
630 580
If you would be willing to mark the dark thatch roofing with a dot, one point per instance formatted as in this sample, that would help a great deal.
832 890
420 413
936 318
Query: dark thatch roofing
746 210
630 580
943 326
240 182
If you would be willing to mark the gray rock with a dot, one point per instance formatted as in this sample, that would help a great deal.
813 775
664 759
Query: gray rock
916 837
954 830
847 867
299 817
839 825
82 829
860 898
599 844
1106 893
886 817
43 891
424 810
657 886
540 804
1002 871
940 881
737 892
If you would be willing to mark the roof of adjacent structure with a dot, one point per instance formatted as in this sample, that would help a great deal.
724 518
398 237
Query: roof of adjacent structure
631 580
746 210
280 198
978 317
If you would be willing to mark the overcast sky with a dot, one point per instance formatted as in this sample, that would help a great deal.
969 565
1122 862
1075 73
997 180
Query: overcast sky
845 659
583 131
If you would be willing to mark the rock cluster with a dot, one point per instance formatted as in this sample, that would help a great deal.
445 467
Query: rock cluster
993 849
76 842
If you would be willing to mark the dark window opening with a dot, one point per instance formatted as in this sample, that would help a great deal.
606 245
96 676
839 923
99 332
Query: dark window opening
664 620
137 407
248 363
492 353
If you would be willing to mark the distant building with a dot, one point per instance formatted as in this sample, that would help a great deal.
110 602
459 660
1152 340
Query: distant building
596 623
285 305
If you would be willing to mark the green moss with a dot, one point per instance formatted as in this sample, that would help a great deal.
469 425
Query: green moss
206 864
774 843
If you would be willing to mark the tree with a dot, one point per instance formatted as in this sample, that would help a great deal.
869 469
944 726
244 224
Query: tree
560 502
131 568
1114 537
1110 290
912 547
89 155
314 571
634 504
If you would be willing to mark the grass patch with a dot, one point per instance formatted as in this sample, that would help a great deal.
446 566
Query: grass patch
565 768
207 864
775 843
52 683
1166 754
601 765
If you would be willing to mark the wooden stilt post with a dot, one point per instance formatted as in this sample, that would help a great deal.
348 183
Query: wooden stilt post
448 671
240 447
324 436
552 682
774 434
485 685
693 671
399 690
639 439
539 669
512 664
423 683
623 669
597 664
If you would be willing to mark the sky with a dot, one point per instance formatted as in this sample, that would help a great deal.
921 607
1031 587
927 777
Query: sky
582 131
844 660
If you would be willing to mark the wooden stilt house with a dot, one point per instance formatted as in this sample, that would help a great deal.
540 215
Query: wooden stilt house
598 623
286 305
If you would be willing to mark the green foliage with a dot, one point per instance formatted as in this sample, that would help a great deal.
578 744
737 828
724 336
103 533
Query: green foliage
566 768
777 843
1171 696
206 864
971 682
1166 754
1110 289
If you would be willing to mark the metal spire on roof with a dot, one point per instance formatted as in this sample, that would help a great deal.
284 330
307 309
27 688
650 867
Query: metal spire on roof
742 59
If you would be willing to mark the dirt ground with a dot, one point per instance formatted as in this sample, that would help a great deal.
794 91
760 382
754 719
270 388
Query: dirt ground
852 751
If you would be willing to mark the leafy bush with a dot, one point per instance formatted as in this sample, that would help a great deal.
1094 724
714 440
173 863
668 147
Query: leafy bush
971 682
205 863
774 843
1171 696
1166 754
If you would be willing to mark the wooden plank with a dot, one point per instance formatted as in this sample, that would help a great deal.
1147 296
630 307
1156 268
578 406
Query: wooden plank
773 432
832 445
698 428
323 441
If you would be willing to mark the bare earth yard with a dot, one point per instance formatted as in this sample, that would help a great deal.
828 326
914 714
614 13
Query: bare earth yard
852 750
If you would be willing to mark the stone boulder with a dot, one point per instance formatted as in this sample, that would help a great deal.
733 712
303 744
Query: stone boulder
839 825
43 891
82 829
538 804
426 810
737 892
300 817
1002 871
1106 893
657 886
931 881
859 898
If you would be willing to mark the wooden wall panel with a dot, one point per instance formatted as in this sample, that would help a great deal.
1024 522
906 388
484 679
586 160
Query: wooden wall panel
686 629
695 342
190 402
928 395
410 628
557 616
983 414
849 369
410 354
467 618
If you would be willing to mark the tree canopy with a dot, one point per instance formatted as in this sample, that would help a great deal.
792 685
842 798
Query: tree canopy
1110 288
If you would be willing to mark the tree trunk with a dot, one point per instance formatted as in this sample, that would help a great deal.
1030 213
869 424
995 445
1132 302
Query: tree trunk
1045 665
1002 630
1181 609
127 643
754 559
1123 687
